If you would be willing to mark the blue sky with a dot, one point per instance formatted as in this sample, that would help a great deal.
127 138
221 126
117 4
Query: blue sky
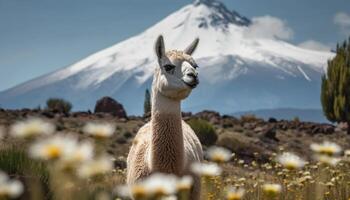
40 36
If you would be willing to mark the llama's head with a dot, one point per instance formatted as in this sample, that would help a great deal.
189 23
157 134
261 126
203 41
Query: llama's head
177 73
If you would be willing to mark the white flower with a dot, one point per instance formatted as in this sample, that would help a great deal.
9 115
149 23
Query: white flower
327 148
100 131
328 160
95 167
272 189
290 161
160 185
31 128
123 191
206 169
9 188
79 153
53 148
172 197
184 183
219 154
347 153
235 193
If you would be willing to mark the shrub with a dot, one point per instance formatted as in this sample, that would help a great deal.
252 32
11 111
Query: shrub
204 131
296 119
247 118
58 105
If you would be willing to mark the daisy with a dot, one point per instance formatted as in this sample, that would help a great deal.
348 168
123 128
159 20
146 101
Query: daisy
95 167
53 148
326 148
235 193
272 189
219 154
79 153
184 183
290 161
31 128
328 160
99 131
139 191
160 185
9 188
206 169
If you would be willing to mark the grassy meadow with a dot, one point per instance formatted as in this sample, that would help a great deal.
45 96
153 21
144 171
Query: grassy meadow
83 156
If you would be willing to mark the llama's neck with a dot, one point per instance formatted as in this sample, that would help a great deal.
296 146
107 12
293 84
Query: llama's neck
167 146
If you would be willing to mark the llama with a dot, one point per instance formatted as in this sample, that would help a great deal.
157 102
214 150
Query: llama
167 144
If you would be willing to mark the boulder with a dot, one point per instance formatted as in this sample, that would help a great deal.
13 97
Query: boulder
269 133
272 120
110 106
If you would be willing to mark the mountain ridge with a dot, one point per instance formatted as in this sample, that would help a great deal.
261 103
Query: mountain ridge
237 72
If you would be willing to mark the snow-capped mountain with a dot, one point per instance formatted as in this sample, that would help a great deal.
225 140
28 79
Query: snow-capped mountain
237 71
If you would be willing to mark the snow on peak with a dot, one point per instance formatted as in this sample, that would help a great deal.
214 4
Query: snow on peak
223 40
220 15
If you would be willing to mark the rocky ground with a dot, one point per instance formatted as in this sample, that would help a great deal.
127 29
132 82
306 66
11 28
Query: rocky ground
248 137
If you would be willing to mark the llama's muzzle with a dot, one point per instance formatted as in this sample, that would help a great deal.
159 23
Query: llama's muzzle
191 79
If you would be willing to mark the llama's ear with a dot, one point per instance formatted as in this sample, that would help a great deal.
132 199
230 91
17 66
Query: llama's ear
190 49
159 47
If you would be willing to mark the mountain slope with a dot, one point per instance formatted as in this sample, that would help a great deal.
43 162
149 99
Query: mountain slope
237 72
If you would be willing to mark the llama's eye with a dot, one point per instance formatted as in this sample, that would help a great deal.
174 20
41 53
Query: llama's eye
169 67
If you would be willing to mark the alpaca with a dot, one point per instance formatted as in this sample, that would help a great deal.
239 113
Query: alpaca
167 144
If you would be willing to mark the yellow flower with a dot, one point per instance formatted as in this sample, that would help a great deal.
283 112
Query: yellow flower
290 161
31 128
326 148
99 130
219 154
95 167
52 148
235 193
272 189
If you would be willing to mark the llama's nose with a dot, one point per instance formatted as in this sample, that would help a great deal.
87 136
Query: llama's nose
191 79
192 75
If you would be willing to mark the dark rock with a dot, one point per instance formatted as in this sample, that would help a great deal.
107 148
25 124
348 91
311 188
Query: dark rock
120 163
272 120
324 129
270 133
127 134
121 140
111 106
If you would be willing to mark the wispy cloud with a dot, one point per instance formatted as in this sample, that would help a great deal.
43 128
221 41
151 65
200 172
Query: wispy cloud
269 27
342 20
315 45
